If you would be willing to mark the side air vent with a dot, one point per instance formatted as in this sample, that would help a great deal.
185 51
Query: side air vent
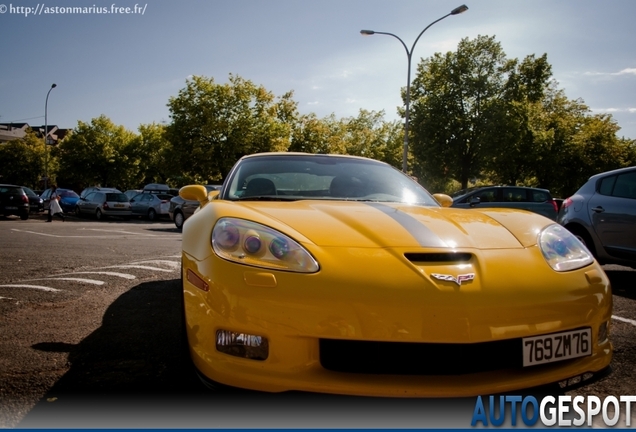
452 257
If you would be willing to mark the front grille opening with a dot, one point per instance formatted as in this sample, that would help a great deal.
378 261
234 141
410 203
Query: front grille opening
446 257
405 358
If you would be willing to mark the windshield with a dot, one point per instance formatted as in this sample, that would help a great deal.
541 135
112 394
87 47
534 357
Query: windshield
295 177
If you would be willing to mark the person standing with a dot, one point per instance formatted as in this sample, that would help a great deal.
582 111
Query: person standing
54 205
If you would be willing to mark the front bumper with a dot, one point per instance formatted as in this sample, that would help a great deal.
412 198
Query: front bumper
378 298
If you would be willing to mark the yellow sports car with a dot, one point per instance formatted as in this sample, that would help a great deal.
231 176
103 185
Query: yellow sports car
341 274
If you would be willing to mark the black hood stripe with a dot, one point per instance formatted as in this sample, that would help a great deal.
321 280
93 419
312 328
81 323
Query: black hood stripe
420 232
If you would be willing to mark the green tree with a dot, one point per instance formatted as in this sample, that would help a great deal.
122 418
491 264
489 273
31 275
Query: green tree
22 161
370 136
313 135
149 152
213 125
455 105
96 154
366 135
471 111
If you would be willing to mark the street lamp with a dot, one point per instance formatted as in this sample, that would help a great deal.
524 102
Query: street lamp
46 135
456 11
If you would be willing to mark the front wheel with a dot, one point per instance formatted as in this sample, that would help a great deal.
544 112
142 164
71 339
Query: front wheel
178 219
78 213
98 214
24 216
152 214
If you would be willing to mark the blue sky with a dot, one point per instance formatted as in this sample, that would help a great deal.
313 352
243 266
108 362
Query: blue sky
127 66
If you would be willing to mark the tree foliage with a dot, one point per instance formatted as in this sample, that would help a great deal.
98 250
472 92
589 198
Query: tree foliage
479 117
98 153
214 124
22 161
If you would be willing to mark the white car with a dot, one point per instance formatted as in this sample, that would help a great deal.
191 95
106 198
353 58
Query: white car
103 204
150 205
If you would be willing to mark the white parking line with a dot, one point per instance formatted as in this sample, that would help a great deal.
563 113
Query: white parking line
138 236
43 288
107 273
118 231
626 320
6 298
172 264
139 267
88 281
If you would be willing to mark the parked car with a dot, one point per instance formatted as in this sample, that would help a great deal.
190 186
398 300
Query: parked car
156 188
150 205
130 193
103 204
36 203
181 209
341 274
68 199
602 214
525 198
97 188
14 201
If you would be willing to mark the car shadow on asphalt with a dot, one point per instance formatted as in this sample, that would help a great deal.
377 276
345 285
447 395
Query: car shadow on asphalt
172 229
623 283
136 349
137 354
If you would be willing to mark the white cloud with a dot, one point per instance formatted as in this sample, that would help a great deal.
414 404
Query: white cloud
627 71
614 110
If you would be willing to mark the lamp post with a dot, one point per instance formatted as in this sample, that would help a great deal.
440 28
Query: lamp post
46 135
409 54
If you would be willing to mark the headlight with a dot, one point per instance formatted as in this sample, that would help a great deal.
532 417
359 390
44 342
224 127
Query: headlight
256 245
562 250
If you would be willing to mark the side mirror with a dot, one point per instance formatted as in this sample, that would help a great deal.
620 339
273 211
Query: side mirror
443 199
194 193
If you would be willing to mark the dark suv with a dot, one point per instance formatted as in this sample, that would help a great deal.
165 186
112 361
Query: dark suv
602 214
14 201
520 197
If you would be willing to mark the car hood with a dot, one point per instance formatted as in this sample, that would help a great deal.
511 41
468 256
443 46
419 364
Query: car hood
385 225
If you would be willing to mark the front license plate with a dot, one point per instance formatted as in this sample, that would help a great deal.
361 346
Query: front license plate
557 346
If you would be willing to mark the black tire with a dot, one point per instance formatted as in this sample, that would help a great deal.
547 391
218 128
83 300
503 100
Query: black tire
98 214
178 219
78 213
152 214
24 216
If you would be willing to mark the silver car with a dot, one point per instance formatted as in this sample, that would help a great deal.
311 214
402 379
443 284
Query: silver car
151 205
602 214
104 204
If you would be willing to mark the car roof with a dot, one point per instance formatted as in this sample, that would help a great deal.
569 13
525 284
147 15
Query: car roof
612 172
